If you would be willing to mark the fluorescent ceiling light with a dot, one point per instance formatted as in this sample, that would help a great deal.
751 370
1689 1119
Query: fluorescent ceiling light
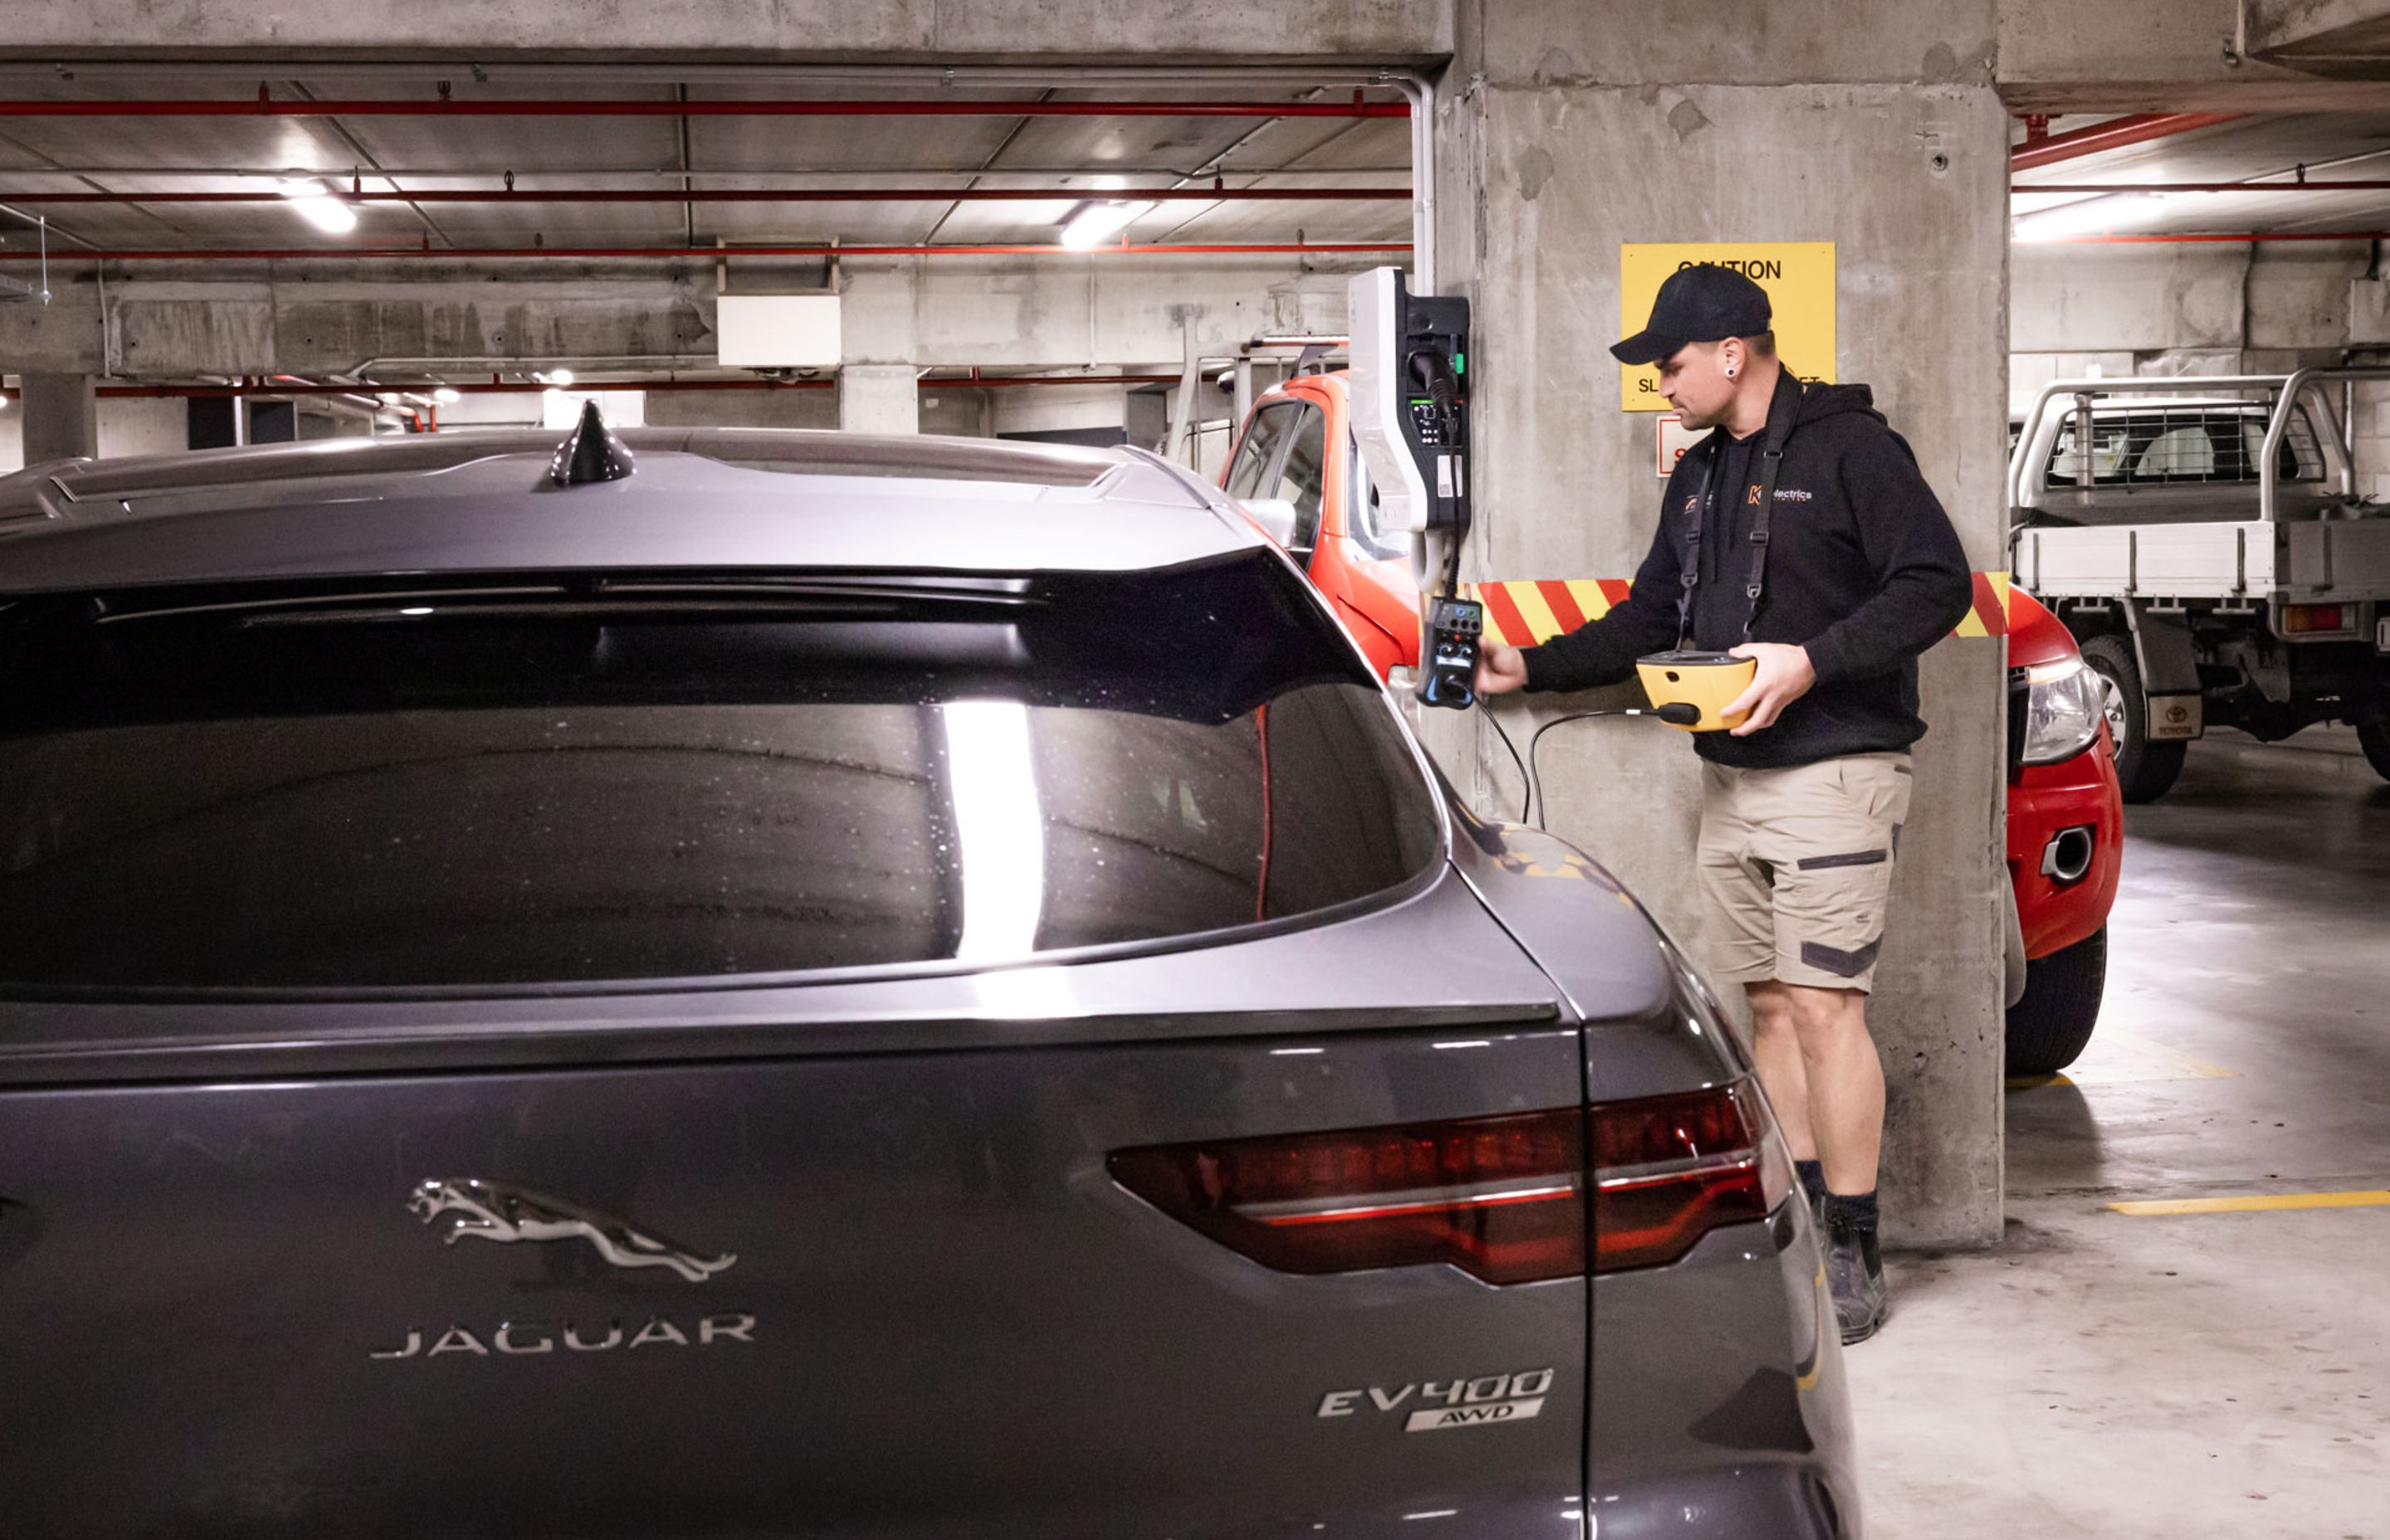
561 379
447 395
2090 216
1095 223
319 208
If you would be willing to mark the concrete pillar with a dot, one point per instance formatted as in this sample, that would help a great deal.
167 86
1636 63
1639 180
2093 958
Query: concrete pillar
880 333
878 398
61 415
1871 123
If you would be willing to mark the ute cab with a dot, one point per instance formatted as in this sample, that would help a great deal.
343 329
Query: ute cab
1284 454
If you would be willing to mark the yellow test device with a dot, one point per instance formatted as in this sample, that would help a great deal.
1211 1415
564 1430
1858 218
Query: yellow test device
1706 681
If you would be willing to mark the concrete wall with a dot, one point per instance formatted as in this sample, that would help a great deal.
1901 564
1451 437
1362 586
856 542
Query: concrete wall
742 409
1580 128
161 426
126 426
1040 312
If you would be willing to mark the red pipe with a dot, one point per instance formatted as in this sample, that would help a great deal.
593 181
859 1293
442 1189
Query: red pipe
692 253
2378 185
501 388
263 107
767 195
2210 236
978 380
2115 134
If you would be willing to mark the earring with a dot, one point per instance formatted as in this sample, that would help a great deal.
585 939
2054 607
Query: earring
1729 374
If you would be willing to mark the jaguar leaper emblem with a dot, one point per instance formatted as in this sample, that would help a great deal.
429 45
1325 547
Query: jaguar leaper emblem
485 1211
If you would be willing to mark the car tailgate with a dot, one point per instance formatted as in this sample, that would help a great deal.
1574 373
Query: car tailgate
845 1261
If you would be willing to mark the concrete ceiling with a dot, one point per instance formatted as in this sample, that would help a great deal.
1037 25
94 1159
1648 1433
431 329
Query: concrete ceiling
399 154
2258 147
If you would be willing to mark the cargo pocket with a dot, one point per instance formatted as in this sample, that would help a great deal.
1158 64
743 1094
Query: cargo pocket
1877 786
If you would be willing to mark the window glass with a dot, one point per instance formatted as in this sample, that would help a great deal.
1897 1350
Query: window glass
2193 444
547 785
2182 454
1261 443
1303 479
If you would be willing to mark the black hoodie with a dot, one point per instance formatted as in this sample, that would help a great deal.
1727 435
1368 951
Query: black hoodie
1863 570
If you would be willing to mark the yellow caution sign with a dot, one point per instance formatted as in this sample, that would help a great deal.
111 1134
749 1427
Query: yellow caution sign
1798 275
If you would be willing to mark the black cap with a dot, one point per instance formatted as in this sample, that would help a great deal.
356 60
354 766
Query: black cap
1697 304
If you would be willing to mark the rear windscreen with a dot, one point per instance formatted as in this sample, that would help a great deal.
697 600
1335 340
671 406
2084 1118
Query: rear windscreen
528 781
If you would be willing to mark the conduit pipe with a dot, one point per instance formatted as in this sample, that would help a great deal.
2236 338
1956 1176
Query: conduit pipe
2209 237
266 107
698 253
2115 134
757 195
2095 188
367 389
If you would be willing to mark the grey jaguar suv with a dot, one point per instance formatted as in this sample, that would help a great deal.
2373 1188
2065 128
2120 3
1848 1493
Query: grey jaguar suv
725 983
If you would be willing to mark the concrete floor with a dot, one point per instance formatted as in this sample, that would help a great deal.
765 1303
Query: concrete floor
2188 1376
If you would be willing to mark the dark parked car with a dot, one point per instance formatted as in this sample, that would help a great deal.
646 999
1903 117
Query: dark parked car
824 986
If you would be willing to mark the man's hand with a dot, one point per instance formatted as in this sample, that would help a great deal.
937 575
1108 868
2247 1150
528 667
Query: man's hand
1500 670
1783 677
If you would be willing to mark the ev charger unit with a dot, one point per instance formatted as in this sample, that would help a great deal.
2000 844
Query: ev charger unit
1410 417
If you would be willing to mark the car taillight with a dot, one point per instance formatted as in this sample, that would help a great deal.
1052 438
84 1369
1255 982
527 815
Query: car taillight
1501 1198
1668 1170
2301 619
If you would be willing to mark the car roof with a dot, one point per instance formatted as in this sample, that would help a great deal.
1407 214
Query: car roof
704 498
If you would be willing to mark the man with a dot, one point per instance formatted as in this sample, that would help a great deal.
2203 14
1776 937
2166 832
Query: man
1833 566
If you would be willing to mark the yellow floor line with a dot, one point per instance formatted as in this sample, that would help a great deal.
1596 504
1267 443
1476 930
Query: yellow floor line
2127 1058
2376 1198
2197 1068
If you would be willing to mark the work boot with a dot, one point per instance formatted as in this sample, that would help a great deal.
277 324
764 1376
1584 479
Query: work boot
1855 1266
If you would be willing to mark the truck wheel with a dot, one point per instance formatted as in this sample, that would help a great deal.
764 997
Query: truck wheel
2048 1027
2374 737
2144 769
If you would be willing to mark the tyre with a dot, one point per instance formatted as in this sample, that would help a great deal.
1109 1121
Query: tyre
2049 1025
2374 737
2144 770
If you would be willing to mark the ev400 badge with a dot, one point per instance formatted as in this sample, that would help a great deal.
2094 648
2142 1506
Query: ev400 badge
1434 1404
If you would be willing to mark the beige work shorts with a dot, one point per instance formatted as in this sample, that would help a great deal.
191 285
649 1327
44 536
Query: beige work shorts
1796 864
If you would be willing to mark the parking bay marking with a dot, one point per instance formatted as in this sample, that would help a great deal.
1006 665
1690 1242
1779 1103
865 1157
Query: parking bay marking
2141 1060
2366 1198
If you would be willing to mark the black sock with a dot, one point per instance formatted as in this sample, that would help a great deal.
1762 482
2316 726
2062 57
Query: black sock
1856 1212
1813 1179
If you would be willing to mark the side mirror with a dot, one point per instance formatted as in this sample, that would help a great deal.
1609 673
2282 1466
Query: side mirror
1275 514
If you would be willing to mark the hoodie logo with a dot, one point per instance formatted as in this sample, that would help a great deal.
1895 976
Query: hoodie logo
1787 494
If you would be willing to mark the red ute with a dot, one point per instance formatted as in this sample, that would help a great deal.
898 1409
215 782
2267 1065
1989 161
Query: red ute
2067 837
1284 452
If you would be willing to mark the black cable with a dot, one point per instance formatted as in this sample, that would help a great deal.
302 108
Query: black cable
1525 779
1676 713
